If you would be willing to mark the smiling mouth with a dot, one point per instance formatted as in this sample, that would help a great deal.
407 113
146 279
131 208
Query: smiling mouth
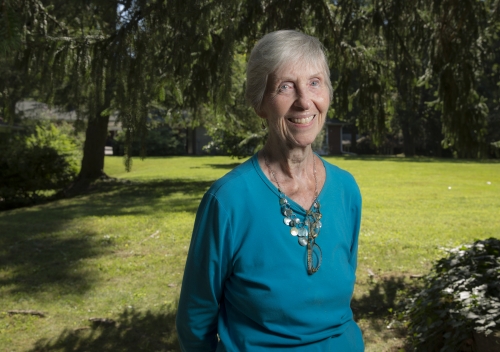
303 121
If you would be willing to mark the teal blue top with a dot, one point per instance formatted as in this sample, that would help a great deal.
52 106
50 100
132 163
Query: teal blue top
246 286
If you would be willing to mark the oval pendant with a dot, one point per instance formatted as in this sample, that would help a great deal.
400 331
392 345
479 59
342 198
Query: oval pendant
303 232
303 241
288 212
287 221
319 224
294 231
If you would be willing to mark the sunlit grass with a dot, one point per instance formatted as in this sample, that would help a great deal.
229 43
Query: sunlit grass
118 252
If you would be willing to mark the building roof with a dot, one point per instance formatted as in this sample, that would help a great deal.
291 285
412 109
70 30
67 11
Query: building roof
36 110
335 122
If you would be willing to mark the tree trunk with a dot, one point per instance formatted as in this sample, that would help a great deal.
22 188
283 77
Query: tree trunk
93 155
190 138
408 142
407 121
93 150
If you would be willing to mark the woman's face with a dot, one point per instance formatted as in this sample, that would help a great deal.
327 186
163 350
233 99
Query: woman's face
295 104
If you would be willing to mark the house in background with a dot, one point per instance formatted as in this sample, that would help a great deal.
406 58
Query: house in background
333 136
197 138
36 110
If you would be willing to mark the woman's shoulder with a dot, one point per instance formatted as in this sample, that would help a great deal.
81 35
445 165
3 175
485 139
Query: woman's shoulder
338 174
340 179
232 181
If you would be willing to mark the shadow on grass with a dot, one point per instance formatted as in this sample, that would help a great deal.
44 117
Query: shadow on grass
113 198
380 298
152 331
36 262
132 331
43 246
224 166
116 198
380 303
123 197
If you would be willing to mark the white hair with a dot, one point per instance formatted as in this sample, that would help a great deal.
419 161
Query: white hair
275 50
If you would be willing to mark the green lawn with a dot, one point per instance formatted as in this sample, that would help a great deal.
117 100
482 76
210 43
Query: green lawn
118 252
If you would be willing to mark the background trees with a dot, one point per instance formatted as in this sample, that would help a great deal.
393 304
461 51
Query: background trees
434 57
406 66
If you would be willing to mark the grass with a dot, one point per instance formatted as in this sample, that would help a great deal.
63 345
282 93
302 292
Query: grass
118 251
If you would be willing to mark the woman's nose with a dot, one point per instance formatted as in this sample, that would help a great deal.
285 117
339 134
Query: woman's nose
302 100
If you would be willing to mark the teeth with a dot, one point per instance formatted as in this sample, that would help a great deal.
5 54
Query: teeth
303 120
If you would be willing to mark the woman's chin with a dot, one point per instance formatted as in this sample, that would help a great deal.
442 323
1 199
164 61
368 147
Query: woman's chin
301 143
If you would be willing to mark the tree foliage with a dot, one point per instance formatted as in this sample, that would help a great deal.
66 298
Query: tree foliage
441 45
391 60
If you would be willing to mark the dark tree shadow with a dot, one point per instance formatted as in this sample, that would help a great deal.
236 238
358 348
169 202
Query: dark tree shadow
34 262
383 300
132 331
380 298
224 166
40 246
118 197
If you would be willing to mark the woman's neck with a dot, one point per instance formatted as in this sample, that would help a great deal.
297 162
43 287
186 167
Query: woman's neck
296 172
290 162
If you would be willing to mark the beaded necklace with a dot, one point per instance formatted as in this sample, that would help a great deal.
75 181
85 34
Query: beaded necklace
307 230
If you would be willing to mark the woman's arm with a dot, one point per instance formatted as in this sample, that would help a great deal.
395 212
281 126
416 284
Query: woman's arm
356 202
207 266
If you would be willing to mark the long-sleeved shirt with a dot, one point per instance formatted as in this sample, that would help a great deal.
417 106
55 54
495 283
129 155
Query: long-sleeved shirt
246 286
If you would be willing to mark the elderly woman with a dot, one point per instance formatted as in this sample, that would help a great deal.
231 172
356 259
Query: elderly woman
272 261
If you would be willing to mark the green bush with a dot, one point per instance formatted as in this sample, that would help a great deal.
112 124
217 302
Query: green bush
239 145
35 164
461 295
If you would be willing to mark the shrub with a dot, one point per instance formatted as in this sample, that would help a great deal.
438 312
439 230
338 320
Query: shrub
35 164
461 295
238 145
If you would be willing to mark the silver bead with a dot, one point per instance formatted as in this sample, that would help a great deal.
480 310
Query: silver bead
303 241
303 232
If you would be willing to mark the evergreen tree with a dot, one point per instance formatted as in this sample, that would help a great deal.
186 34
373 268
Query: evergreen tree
121 56
446 42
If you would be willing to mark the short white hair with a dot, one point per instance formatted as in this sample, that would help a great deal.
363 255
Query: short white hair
275 50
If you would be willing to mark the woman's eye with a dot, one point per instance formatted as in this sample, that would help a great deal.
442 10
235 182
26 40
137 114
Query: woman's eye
315 83
284 87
